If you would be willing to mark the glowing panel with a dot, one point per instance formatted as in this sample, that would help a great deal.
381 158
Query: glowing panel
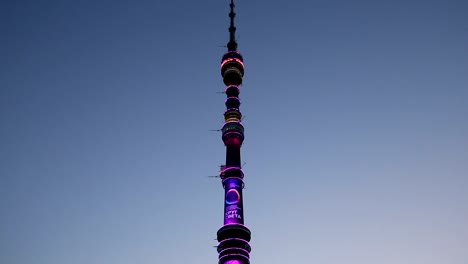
232 197
233 208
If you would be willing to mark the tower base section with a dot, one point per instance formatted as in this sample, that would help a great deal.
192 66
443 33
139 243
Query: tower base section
234 247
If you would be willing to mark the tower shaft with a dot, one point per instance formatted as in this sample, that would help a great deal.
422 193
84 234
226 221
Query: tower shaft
233 236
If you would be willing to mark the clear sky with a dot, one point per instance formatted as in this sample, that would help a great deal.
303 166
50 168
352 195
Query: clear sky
356 125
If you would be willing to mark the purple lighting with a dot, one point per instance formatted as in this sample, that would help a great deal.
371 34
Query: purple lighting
232 197
234 262
233 209
234 255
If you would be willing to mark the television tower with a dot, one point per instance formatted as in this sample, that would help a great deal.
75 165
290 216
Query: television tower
233 236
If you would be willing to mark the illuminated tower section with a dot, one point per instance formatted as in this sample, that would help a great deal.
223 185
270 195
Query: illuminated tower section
233 236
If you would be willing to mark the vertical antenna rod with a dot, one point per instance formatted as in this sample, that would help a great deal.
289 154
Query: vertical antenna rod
232 44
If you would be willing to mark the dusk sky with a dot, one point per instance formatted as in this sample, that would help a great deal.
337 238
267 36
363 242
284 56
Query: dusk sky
356 131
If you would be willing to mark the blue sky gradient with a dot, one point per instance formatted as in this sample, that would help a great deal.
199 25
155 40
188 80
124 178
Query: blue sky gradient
356 125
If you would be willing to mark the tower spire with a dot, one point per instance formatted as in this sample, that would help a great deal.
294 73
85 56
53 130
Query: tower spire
232 44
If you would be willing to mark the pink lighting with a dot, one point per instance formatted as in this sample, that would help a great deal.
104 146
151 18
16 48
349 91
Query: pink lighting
232 60
234 139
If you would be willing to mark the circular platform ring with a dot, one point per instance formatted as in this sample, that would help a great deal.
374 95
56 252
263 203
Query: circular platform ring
232 76
232 90
233 231
234 242
232 55
240 257
232 102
